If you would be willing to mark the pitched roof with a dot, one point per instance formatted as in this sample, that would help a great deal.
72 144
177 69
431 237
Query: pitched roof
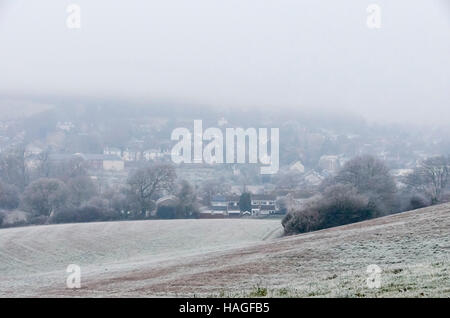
218 198
167 200
219 208
263 197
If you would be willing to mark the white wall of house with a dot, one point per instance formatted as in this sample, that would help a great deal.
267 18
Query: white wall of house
116 165
219 203
263 202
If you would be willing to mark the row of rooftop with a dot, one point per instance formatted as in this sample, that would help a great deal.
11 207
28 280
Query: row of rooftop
228 206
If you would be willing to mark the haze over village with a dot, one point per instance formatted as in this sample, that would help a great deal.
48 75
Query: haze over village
106 143
212 148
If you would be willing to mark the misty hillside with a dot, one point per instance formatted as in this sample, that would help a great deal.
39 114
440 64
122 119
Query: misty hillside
39 254
237 258
230 149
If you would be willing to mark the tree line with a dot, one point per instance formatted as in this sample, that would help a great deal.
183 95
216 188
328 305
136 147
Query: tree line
62 191
365 189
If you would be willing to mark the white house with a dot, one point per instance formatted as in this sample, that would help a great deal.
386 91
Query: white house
313 177
263 204
297 167
114 163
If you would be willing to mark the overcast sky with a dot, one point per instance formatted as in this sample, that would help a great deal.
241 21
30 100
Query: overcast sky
315 54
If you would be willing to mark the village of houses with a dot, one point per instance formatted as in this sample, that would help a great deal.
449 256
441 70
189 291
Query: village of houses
112 167
294 182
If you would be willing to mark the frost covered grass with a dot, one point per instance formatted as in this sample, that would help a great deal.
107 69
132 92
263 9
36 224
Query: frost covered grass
412 249
233 258
31 256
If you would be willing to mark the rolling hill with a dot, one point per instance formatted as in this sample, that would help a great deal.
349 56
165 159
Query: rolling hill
235 258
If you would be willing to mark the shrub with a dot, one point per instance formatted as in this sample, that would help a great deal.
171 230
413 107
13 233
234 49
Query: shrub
445 197
339 205
418 201
342 204
38 219
305 220
371 178
97 209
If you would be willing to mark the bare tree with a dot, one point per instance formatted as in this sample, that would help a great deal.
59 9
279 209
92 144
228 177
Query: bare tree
9 196
13 168
43 168
187 201
81 189
432 176
44 196
147 182
71 168
370 177
63 170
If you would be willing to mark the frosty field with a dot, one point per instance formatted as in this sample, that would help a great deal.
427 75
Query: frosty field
236 258
31 256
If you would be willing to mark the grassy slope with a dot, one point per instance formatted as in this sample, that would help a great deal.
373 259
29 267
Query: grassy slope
411 248
31 255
